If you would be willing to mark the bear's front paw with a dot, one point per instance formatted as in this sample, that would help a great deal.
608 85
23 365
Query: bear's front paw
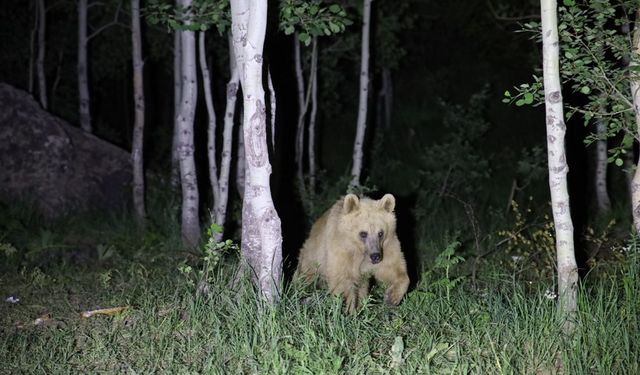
392 296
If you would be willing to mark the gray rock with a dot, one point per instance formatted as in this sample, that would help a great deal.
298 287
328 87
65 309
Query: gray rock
58 168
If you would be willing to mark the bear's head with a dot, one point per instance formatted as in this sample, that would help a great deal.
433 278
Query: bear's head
369 223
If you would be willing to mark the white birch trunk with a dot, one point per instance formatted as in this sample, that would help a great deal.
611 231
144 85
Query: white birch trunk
602 196
558 168
261 228
356 169
177 91
272 104
311 147
211 126
227 140
42 80
83 75
302 111
635 94
137 154
189 97
240 163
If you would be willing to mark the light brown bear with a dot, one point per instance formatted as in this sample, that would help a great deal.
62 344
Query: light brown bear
351 242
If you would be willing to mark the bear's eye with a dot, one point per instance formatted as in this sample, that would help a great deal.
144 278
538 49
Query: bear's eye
380 234
363 235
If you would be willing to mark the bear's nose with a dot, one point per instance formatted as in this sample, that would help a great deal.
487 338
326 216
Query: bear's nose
376 258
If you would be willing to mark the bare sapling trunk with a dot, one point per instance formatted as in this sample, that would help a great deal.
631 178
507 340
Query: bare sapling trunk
302 111
558 168
386 99
358 145
189 96
177 91
83 75
211 125
311 146
137 153
42 80
635 94
261 228
602 196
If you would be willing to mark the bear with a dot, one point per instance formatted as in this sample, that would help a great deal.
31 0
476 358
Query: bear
349 244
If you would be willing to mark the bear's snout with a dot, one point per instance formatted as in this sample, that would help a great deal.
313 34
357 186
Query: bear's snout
376 258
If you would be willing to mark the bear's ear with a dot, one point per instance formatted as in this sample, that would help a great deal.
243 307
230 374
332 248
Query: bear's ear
387 203
351 203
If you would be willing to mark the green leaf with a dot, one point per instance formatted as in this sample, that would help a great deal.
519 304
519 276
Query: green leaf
619 162
305 38
507 94
288 30
520 102
528 98
335 8
585 90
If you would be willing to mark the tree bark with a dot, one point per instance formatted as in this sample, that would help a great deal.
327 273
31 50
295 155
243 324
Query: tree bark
311 147
272 109
83 78
558 168
227 141
241 163
189 96
32 43
261 227
358 145
42 80
177 91
137 154
635 94
211 127
602 196
302 111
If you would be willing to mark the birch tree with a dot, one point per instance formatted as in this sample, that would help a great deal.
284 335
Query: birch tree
84 96
190 227
42 80
558 168
361 127
603 202
137 154
635 95
307 20
177 91
83 75
261 228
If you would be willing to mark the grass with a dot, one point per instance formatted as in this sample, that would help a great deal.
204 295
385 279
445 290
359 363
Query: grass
506 325
502 328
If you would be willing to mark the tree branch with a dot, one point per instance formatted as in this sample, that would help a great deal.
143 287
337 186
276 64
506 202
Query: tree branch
107 25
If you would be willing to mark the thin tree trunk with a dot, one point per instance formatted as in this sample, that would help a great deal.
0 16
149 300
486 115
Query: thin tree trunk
32 43
602 195
83 79
261 227
211 127
558 168
635 93
137 154
227 140
42 80
302 111
358 145
272 105
387 87
177 91
56 79
311 152
189 96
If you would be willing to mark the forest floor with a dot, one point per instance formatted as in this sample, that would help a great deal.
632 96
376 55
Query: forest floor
160 323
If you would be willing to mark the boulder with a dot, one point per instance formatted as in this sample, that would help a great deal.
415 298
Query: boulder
57 168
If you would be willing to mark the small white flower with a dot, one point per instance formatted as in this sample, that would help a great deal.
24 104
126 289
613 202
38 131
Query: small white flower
12 299
517 258
550 294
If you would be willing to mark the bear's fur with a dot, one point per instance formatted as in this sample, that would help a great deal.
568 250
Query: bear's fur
350 243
